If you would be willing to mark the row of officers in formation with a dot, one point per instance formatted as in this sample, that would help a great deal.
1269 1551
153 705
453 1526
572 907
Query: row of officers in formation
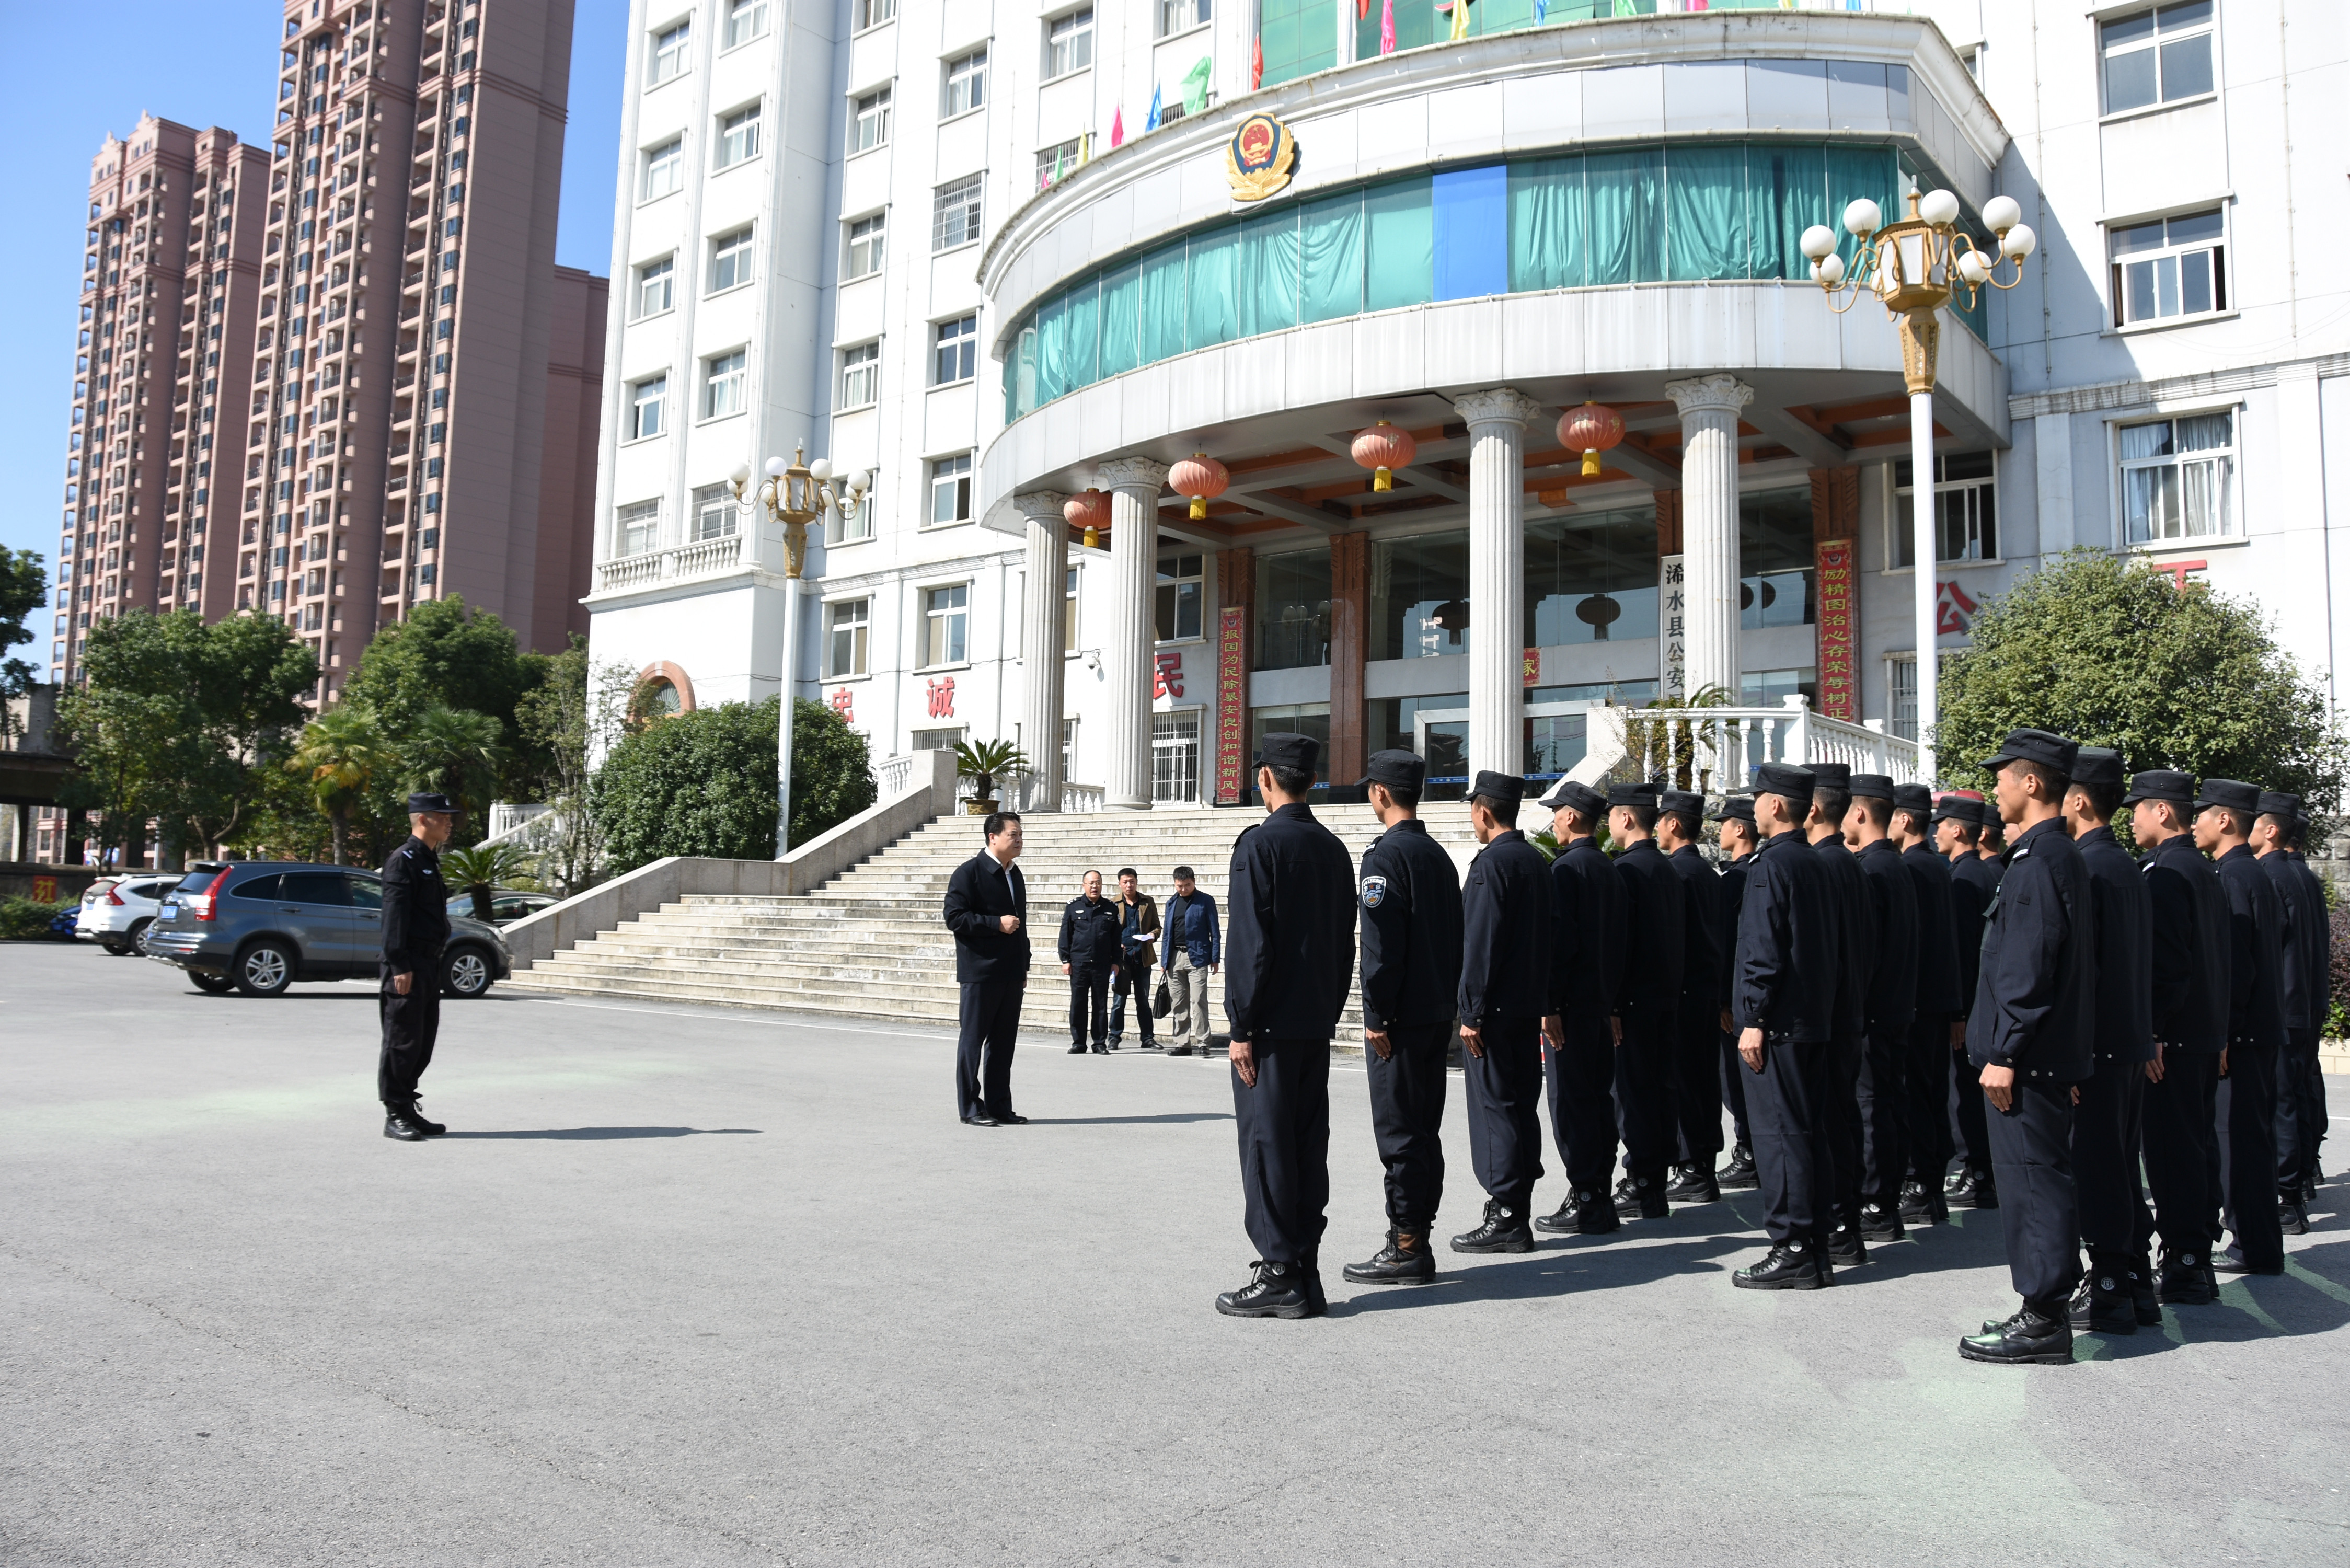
1876 982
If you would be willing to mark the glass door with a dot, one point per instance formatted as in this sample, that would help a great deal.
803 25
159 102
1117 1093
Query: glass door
1553 741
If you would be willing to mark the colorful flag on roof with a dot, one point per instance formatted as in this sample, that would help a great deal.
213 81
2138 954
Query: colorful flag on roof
1150 120
1257 66
1117 125
1386 27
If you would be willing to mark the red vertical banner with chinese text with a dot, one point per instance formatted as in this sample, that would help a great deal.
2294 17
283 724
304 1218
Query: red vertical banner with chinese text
1839 619
1231 704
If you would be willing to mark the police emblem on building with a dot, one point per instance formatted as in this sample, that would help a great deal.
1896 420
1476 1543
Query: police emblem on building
1259 159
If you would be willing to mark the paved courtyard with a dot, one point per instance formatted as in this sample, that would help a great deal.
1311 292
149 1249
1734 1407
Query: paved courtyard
701 1287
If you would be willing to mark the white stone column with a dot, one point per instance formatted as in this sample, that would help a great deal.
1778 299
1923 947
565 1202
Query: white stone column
1040 644
1134 483
1497 573
1709 406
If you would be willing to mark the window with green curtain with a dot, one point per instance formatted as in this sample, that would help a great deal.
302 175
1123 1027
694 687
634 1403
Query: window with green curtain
1549 235
1705 230
1854 172
1161 303
1416 23
1269 272
1786 190
1214 288
1626 201
1024 377
1299 38
1400 246
1121 340
1501 15
1330 249
1084 318
1052 349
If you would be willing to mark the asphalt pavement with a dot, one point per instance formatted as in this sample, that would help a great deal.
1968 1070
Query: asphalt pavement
692 1286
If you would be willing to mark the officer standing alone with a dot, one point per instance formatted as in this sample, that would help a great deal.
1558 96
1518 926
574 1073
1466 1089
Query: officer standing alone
1505 916
1289 962
415 930
1410 896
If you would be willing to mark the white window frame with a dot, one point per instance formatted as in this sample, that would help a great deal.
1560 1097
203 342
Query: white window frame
2154 44
857 530
1898 530
637 524
949 477
649 394
954 345
2121 271
855 618
745 20
661 273
715 515
1197 578
1069 43
737 245
2227 461
738 137
859 383
865 15
967 71
1192 15
1061 155
655 165
935 618
668 45
1069 624
966 194
878 251
875 107
726 380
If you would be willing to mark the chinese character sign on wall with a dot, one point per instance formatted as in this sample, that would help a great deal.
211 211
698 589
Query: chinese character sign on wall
1232 703
1839 696
1672 647
1167 678
941 694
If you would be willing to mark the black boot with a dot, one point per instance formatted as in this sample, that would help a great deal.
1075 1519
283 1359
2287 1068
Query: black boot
1788 1266
2182 1282
1740 1173
1276 1291
1695 1183
1505 1230
1641 1196
1847 1249
2101 1304
1404 1261
1878 1223
1079 1049
1560 1221
1972 1188
2144 1306
2030 1336
1309 1275
416 1115
2292 1217
399 1122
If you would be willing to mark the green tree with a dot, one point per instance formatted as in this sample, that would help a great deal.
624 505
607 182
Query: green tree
458 752
23 584
446 656
704 782
2111 652
339 757
574 719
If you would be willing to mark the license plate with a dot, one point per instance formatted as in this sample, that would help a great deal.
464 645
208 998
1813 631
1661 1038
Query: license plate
171 906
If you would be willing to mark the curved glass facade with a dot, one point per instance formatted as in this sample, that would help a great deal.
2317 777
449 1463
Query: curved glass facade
1680 212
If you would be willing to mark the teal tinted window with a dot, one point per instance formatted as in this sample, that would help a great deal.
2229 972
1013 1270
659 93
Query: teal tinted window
1331 252
1121 331
1269 272
1400 246
1162 305
1706 212
1299 38
1550 239
1214 288
1625 191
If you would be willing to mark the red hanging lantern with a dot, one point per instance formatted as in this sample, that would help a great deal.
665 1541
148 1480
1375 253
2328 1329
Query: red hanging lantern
1384 449
1590 430
1090 511
1202 477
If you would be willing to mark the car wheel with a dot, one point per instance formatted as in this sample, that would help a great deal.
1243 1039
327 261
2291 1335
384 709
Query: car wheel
465 973
138 937
265 968
212 984
116 950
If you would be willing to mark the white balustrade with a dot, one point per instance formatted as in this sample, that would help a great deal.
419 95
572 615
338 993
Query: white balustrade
677 562
1723 746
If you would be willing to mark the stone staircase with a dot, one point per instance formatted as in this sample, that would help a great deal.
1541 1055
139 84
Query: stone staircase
872 943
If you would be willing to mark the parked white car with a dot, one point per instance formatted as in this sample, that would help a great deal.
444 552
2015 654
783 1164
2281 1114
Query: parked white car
115 914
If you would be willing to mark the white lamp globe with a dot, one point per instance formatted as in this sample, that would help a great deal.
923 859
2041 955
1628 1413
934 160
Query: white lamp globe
742 475
1829 270
1939 207
1974 267
865 479
1863 217
2001 214
2020 241
776 467
1819 240
821 468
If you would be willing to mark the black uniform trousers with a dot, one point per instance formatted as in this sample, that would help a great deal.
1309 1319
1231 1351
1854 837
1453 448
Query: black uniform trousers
2105 1131
2179 1142
1929 1106
1970 1109
990 1025
1580 1078
1733 1092
410 1024
1644 1097
1089 1000
2039 1214
1697 1079
1505 1089
1407 1120
1787 1101
2248 1154
1881 1097
1846 1144
1134 975
1285 1138
2297 1128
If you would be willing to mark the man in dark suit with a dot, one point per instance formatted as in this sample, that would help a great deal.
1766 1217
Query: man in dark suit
1587 967
1884 1094
1932 1031
987 911
1289 958
2307 961
2224 815
1648 1001
1975 882
1505 914
1697 1030
1738 842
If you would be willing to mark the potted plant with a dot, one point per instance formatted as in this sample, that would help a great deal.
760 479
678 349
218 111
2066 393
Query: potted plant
483 868
981 763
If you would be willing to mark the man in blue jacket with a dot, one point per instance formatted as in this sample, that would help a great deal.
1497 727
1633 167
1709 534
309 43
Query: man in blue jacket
1192 948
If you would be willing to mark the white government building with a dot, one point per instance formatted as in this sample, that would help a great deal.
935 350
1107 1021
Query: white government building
937 242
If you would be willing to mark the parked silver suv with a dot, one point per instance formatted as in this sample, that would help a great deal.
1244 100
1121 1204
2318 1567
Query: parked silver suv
261 925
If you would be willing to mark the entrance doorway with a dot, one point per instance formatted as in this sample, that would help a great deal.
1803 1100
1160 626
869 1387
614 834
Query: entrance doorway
1555 740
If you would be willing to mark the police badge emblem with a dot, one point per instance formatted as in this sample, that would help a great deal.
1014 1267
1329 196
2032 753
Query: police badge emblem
1258 160
1374 891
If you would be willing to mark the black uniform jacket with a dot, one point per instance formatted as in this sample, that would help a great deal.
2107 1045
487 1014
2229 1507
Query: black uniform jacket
2189 978
2038 985
1785 980
1975 882
1656 931
2305 952
1856 935
1892 916
2257 938
1937 950
2319 939
415 908
1289 953
1733 903
1506 928
2125 1016
1410 896
979 895
1587 965
1089 929
1702 923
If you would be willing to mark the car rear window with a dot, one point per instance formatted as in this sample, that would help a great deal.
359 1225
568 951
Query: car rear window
264 887
196 882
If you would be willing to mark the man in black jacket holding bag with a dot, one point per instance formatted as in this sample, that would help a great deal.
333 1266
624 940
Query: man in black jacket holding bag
987 911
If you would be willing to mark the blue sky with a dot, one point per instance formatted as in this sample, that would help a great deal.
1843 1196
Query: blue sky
201 63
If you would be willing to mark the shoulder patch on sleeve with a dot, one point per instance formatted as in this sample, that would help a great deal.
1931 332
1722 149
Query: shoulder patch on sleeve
1374 891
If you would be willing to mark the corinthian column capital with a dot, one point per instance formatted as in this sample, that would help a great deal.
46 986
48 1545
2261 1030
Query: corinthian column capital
1496 405
1133 473
1040 506
1710 395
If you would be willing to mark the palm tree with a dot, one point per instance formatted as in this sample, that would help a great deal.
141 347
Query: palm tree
982 762
457 751
340 752
481 869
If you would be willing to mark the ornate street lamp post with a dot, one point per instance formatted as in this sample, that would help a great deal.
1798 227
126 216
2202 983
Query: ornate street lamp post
1914 267
795 494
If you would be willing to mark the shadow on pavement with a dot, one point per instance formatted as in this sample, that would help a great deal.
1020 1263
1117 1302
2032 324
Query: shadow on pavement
598 1135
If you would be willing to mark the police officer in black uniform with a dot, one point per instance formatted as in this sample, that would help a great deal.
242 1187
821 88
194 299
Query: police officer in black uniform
2029 1039
1289 961
1855 967
415 930
2224 813
1505 991
1648 1001
2117 1294
1883 1089
1975 882
1783 1003
2187 983
2310 1119
1696 1032
2307 958
1931 1030
1089 957
1585 968
1738 842
1411 895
